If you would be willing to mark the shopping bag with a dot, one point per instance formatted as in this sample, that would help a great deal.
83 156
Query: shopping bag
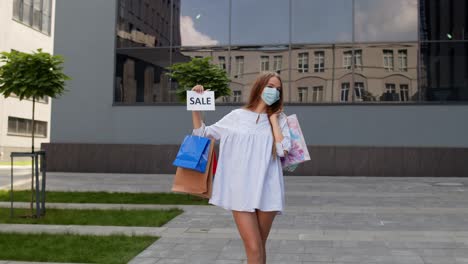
193 153
298 152
193 182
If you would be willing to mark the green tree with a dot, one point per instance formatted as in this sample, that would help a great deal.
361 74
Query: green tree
31 76
199 71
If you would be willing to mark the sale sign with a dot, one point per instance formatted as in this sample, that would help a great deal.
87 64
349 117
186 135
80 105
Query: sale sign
200 102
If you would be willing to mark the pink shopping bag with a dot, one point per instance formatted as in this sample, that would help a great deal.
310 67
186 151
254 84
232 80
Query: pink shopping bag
298 152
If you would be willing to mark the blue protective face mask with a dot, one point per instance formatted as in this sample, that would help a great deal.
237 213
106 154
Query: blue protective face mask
270 95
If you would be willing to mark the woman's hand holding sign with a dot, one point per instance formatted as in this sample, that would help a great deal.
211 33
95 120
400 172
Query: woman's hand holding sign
199 101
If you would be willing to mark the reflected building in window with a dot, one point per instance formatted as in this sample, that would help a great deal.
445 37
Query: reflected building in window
143 28
324 73
444 50
335 68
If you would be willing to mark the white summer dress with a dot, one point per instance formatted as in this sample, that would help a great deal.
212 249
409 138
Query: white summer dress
247 177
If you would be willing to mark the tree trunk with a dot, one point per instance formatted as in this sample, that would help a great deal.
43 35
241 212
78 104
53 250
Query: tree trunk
33 125
33 160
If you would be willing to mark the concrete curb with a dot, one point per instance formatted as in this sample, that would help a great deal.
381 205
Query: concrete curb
15 167
232 233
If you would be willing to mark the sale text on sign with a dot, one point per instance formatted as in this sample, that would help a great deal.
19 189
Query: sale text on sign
200 102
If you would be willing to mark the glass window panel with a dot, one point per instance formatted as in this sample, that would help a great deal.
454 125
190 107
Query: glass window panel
222 62
388 60
379 78
201 23
302 94
383 20
22 126
403 60
319 64
246 65
347 59
344 92
237 97
46 24
46 6
135 29
12 125
260 22
278 63
359 91
40 128
140 75
309 18
17 9
265 63
330 70
219 57
317 94
303 62
27 11
404 92
37 14
444 71
444 20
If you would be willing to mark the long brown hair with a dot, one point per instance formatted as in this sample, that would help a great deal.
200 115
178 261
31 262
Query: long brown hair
256 95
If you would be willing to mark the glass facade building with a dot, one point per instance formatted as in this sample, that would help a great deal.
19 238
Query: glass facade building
327 51
379 86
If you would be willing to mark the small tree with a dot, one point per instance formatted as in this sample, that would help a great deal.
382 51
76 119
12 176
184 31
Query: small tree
31 76
199 71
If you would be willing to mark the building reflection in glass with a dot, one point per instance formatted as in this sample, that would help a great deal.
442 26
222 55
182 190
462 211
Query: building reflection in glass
444 50
316 56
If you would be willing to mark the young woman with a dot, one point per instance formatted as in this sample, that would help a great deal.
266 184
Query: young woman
249 177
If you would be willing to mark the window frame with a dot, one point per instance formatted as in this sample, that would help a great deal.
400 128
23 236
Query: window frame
264 63
317 93
236 96
18 15
359 90
239 63
345 92
347 59
404 92
319 61
277 63
28 124
303 62
302 94
403 60
388 60
222 62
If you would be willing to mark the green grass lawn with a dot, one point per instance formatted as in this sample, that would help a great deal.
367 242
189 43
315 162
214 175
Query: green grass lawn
16 163
106 197
72 248
150 218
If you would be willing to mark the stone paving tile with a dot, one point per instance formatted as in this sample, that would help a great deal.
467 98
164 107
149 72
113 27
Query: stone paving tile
327 220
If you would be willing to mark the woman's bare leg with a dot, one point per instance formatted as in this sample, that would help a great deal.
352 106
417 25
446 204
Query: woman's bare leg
247 224
265 221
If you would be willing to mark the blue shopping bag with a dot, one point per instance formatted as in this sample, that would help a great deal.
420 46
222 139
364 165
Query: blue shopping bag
193 153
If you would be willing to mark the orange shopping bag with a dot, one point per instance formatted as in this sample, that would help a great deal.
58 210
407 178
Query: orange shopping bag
194 182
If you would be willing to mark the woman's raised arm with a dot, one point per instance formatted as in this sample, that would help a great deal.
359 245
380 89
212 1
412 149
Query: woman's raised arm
196 116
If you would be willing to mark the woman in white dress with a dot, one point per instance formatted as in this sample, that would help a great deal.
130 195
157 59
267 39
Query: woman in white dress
249 177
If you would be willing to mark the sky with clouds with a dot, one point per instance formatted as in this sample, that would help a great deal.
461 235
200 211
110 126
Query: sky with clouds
206 22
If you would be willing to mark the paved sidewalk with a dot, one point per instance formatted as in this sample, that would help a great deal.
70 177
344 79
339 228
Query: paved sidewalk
340 220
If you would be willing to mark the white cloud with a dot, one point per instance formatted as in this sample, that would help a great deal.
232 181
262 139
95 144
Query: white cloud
387 20
191 36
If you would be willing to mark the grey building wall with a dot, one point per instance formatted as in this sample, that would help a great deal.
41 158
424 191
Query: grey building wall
85 36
